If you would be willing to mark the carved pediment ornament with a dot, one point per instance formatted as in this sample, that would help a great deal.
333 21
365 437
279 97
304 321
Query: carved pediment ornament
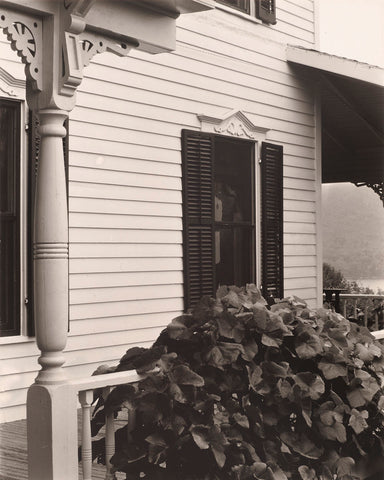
25 34
234 123
9 85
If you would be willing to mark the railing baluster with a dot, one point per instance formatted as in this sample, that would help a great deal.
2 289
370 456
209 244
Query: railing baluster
366 314
355 308
345 308
85 398
376 321
109 439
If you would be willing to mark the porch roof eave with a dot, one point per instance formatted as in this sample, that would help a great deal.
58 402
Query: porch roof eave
352 120
335 64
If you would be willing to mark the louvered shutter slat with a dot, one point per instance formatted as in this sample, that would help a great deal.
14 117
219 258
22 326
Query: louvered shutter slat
197 216
272 219
266 11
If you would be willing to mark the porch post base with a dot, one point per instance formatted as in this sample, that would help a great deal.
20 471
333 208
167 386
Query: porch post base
52 428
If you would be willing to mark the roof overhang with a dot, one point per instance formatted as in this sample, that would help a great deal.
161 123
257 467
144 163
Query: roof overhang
352 106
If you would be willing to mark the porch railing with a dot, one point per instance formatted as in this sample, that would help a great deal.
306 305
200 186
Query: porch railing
366 309
85 388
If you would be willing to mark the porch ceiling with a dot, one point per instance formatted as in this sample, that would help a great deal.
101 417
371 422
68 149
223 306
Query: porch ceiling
352 106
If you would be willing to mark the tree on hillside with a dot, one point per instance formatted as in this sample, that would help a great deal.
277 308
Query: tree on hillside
333 278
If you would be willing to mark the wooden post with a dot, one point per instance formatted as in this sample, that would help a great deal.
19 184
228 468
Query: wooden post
52 432
85 398
51 405
51 249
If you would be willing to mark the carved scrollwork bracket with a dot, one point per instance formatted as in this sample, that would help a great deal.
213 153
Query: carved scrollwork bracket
25 34
81 45
78 51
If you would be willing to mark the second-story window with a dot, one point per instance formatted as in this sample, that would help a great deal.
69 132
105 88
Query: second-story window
242 5
264 10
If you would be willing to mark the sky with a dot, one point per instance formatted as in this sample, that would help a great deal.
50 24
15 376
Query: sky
353 29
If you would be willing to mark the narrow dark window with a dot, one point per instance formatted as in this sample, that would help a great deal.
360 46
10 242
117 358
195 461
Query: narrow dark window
242 5
9 218
234 212
266 11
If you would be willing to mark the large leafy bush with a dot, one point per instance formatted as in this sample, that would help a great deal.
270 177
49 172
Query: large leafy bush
238 391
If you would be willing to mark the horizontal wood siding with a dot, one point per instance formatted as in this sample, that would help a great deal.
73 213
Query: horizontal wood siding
125 202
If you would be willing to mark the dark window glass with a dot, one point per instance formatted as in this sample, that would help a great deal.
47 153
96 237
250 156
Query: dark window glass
239 4
9 218
234 225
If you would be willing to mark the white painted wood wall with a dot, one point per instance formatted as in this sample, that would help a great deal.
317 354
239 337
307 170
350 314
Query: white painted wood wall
125 178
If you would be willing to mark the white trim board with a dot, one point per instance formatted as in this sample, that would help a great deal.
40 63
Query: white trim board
334 64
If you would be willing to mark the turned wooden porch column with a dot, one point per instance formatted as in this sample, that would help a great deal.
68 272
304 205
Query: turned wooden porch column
51 405
51 248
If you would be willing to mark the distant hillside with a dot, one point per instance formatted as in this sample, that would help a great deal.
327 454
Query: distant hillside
353 230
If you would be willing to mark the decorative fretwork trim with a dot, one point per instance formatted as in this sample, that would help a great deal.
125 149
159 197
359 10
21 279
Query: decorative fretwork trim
376 187
93 43
25 34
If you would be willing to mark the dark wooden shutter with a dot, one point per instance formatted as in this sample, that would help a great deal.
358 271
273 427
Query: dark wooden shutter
9 218
34 148
272 220
198 235
266 11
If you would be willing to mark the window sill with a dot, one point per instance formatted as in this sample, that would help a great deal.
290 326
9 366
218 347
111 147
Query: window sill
238 13
16 339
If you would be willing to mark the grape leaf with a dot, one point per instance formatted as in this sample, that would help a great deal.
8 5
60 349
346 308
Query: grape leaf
357 420
307 473
332 370
300 443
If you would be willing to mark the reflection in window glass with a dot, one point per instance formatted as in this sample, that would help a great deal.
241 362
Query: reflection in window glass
234 230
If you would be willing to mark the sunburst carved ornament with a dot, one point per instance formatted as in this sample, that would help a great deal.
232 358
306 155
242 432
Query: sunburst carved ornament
25 34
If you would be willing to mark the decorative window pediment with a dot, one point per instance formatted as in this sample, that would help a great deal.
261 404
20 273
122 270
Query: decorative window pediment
11 86
235 124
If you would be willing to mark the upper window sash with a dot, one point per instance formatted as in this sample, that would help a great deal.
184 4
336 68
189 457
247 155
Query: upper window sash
264 10
242 5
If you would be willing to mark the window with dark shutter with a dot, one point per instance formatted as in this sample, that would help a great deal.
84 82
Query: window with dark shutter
9 218
218 212
272 220
266 11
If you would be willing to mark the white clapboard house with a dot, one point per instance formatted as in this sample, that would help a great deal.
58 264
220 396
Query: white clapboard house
150 151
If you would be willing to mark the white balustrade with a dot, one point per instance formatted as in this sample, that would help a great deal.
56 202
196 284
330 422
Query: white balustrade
364 307
84 388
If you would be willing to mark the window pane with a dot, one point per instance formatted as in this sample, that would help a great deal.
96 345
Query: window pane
9 279
233 182
233 255
7 124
